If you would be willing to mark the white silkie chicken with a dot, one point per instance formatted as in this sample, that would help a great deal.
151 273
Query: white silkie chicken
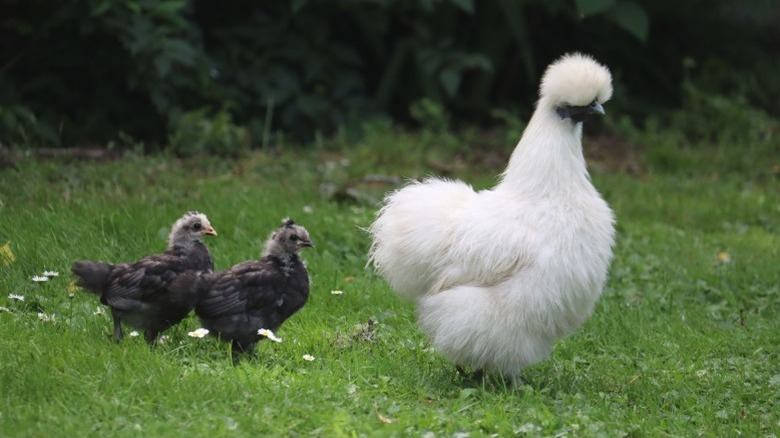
499 275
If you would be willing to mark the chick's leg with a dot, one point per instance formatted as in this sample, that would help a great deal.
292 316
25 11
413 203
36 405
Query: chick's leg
238 349
118 335
150 336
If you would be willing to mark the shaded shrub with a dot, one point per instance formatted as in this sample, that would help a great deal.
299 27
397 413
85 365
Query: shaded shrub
87 70
196 132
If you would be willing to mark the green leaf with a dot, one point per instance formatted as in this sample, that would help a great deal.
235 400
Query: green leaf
297 5
631 17
427 5
101 8
475 61
512 12
133 6
464 5
6 255
180 50
591 7
171 6
450 80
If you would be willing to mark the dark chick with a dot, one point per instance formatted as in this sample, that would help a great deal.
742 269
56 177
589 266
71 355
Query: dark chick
157 291
257 294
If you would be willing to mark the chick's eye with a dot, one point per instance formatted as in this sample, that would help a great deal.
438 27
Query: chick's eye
294 237
197 226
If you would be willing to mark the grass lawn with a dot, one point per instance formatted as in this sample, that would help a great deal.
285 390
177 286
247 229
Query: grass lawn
685 340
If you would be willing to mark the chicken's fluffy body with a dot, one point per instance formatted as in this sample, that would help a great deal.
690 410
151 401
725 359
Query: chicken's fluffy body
257 294
157 291
499 275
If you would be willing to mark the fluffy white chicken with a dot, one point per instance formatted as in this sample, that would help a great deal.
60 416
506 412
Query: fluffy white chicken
499 275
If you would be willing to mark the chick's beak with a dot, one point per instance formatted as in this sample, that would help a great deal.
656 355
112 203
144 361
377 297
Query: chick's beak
209 230
307 244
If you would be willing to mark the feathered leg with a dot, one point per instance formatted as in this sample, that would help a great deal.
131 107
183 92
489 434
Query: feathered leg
474 375
494 379
118 335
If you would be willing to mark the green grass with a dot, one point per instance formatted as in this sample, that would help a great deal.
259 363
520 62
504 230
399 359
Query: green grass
685 340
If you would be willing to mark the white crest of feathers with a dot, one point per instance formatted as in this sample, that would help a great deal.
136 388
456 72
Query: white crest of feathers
575 79
188 217
176 235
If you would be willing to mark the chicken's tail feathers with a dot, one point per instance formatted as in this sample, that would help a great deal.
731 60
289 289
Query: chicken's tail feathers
93 277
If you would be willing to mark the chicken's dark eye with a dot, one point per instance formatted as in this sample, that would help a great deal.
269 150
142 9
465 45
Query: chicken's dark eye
294 237
197 226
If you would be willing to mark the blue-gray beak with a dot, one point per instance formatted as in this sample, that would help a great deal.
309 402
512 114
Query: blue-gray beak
596 108
580 113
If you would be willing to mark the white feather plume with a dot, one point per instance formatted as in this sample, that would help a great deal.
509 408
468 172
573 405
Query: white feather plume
499 275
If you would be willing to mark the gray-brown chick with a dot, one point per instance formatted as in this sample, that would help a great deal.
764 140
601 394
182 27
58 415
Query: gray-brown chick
157 291
257 294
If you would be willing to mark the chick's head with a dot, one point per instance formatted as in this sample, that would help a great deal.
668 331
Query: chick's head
193 226
289 238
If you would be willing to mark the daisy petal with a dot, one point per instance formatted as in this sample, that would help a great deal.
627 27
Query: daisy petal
47 317
199 333
269 334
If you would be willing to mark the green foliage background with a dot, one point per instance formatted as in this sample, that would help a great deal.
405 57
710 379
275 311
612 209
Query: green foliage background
87 72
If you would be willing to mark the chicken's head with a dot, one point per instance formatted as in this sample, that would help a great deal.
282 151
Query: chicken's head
576 86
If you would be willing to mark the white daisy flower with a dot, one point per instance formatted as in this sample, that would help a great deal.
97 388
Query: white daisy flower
133 334
51 274
269 334
40 279
47 317
163 339
308 357
308 209
16 297
5 309
199 333
98 311
337 292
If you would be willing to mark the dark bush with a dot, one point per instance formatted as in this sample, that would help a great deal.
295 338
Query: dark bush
85 71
